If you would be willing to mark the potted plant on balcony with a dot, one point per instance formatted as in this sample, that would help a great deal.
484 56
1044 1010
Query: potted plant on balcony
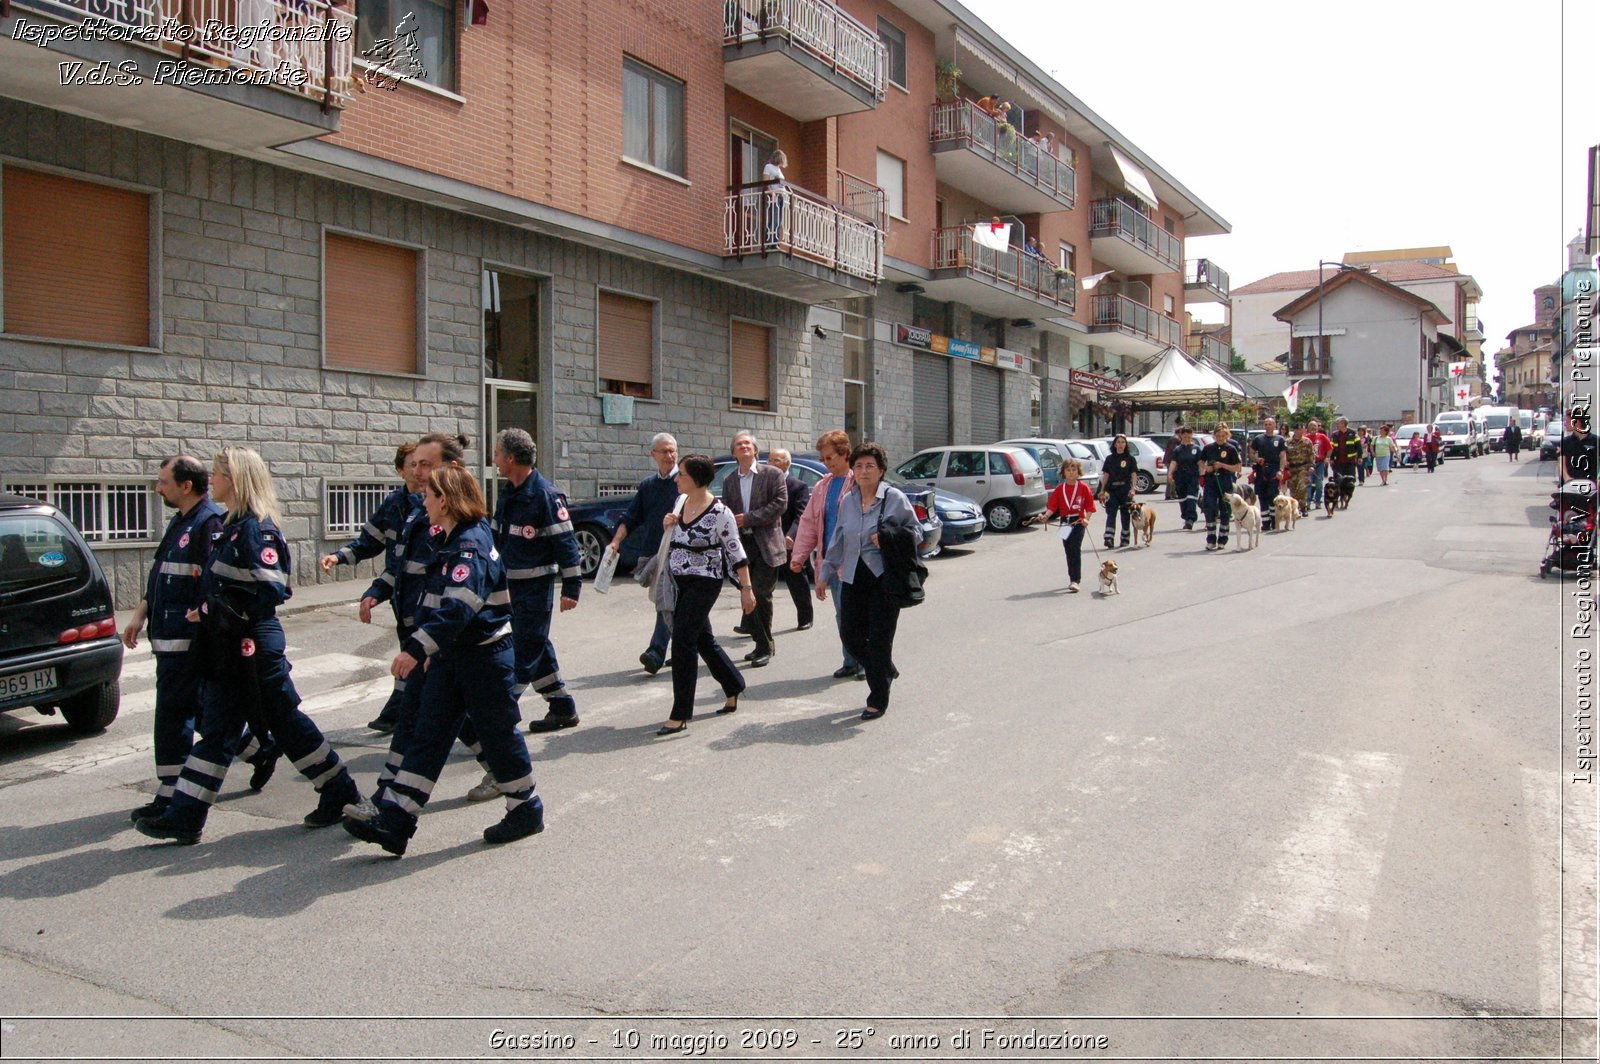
947 79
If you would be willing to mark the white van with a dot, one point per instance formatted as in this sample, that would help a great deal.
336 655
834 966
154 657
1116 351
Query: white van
1459 434
1495 420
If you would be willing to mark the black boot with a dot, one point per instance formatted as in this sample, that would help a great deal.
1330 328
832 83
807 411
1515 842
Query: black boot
263 765
149 811
526 819
386 830
331 800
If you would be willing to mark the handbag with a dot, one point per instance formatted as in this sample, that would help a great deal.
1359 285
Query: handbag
664 589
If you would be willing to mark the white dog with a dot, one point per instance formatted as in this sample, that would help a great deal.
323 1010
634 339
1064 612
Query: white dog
1247 516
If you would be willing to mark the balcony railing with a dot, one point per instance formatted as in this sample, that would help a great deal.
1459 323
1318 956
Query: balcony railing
769 216
954 249
818 27
965 122
1114 217
1212 350
1206 272
1120 312
302 47
864 200
1311 366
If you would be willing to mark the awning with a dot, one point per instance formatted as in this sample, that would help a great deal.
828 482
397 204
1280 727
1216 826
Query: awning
1177 382
1133 178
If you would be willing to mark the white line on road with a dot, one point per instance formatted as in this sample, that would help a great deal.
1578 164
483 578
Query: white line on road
319 667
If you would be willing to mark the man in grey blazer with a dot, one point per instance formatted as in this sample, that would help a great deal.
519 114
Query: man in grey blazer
757 495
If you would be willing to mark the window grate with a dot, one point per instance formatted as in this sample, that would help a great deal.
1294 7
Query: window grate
103 511
348 505
616 490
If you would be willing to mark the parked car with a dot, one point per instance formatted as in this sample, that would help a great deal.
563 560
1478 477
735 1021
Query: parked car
1550 446
594 522
1150 455
1005 481
809 468
1049 454
59 647
1457 435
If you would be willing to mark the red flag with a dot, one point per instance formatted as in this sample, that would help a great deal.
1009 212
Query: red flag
480 13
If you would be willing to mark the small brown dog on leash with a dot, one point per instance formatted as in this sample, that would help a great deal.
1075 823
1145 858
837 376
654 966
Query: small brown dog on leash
1144 521
1108 578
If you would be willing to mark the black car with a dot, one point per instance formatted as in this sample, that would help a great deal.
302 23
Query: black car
59 647
1550 446
594 522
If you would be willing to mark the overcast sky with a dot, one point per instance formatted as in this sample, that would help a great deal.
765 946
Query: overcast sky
1321 129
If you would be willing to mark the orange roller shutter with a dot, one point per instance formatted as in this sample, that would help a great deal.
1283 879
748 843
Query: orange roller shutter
752 366
371 308
77 259
627 345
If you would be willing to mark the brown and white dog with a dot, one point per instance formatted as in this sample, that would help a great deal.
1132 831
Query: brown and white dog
1247 516
1108 578
1285 512
1144 521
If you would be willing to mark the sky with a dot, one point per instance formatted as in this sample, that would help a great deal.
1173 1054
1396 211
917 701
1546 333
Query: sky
1320 129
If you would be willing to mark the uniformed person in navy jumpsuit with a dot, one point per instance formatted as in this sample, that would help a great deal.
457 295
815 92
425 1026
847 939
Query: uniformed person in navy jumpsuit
172 590
246 580
1220 463
462 647
533 530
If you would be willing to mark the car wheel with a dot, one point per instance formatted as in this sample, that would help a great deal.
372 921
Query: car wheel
1002 516
94 709
1145 483
591 545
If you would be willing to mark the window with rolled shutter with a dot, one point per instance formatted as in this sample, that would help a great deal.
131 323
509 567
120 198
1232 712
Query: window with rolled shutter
369 305
627 345
752 366
77 259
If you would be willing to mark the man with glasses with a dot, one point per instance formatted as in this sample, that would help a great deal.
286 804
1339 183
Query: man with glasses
651 503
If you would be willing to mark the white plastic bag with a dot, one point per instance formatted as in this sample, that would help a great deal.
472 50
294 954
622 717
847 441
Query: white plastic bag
608 569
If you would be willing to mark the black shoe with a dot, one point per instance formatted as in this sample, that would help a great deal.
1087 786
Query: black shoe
550 722
381 725
334 796
846 672
872 714
159 828
651 663
759 658
741 628
668 729
803 625
894 673
526 819
1108 544
1124 544
150 811
264 766
730 706
373 831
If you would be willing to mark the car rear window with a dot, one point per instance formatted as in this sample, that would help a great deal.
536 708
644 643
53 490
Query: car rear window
36 552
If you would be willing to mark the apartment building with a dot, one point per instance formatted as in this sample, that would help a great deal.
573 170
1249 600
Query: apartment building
398 219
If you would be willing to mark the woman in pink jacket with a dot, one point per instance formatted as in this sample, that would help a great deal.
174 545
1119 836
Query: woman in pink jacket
815 528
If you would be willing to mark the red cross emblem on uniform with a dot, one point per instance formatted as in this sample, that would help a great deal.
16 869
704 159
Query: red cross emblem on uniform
247 648
561 513
460 573
269 556
183 540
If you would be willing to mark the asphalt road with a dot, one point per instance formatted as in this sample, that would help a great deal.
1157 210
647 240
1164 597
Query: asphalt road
1306 800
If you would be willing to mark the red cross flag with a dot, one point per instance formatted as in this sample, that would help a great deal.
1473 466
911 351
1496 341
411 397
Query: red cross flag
1462 395
1291 396
996 236
1458 369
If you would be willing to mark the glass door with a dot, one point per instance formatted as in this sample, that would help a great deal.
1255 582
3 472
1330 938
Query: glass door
513 344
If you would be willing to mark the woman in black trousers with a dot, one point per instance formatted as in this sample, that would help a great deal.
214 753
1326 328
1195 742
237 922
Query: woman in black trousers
868 616
1118 478
705 547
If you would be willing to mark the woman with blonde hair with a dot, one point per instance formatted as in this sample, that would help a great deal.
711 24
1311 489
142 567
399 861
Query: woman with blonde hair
246 673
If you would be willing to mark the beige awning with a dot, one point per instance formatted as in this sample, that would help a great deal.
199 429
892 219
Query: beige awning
1133 178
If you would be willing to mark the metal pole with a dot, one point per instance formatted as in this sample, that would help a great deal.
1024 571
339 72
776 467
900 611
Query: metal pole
1321 339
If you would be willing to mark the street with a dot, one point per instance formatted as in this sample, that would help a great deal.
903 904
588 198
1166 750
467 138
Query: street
1320 783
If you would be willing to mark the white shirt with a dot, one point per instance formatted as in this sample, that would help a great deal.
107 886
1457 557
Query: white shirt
772 172
745 480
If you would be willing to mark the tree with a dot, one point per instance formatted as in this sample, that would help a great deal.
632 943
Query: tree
1236 362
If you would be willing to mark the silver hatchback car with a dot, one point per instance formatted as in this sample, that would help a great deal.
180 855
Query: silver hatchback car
1005 481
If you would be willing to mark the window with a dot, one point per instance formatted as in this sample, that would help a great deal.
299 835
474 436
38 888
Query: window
652 118
348 505
513 337
998 466
36 553
922 467
967 464
1167 223
749 149
434 60
1069 258
104 511
370 305
751 352
1167 305
894 57
76 259
892 179
627 342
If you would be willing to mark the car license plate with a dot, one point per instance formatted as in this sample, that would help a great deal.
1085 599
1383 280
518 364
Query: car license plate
23 684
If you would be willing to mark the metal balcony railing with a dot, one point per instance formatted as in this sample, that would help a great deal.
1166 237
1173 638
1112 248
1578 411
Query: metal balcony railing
1114 217
771 216
1311 366
864 200
967 123
1120 312
820 28
1211 350
954 249
1206 272
302 47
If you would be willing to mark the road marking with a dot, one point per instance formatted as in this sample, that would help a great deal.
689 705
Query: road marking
1312 902
315 668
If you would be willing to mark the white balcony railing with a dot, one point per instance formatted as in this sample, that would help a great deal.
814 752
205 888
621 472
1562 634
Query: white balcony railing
954 249
964 122
771 216
820 28
302 47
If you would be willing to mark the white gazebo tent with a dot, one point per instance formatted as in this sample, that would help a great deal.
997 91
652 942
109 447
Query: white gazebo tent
1177 382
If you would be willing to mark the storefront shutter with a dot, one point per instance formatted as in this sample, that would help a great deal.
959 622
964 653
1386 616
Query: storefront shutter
930 394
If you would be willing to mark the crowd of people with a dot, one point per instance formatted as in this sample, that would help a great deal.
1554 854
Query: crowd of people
473 593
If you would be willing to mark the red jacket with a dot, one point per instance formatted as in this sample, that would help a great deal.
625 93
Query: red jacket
1080 503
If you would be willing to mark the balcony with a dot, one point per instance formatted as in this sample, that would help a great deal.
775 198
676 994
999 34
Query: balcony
1001 284
1310 366
1204 282
806 58
1211 349
1473 329
1125 327
1000 167
1122 238
185 69
784 239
